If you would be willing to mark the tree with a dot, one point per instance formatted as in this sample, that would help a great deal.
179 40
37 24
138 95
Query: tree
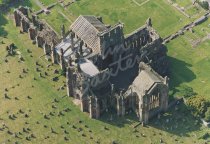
204 4
198 105
187 91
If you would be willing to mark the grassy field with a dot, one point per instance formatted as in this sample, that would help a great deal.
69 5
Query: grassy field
165 18
191 65
57 18
36 98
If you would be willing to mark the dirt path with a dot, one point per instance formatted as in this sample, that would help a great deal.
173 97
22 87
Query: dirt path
141 4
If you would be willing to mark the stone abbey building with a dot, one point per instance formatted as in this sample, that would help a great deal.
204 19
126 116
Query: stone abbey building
106 70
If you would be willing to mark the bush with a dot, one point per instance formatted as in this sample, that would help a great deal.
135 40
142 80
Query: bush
198 105
187 91
207 115
204 4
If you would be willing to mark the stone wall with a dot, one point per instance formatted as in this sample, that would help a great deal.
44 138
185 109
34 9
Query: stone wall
38 31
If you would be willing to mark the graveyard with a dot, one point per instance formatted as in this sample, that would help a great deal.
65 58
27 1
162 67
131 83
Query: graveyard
34 107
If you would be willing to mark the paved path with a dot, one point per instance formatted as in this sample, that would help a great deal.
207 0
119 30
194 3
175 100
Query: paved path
140 4
60 12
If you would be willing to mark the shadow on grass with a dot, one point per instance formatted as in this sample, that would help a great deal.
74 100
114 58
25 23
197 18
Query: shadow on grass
119 121
177 121
179 73
5 8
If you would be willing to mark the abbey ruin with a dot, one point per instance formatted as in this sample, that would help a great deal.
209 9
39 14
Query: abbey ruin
106 70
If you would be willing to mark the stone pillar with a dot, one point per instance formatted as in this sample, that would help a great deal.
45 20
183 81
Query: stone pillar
34 19
45 48
91 107
39 41
62 61
118 106
141 109
17 18
80 48
97 108
149 22
112 95
70 81
53 52
146 110
122 106
32 32
164 98
84 104
24 10
72 39
22 24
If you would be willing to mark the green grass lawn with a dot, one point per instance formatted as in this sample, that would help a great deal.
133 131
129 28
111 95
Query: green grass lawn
165 18
56 19
190 65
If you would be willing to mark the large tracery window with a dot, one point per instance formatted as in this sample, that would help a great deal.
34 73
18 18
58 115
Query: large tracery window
154 100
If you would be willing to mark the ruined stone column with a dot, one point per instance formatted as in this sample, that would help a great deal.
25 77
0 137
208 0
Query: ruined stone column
72 39
149 22
80 48
70 81
53 53
17 18
91 107
146 110
62 62
39 41
122 106
45 48
97 108
112 95
32 32
34 19
118 106
22 24
164 99
141 110
84 104
24 10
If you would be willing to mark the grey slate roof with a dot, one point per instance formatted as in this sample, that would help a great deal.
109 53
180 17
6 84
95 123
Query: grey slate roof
146 79
87 28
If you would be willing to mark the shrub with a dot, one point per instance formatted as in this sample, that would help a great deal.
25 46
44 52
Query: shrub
187 91
198 105
204 4
207 115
